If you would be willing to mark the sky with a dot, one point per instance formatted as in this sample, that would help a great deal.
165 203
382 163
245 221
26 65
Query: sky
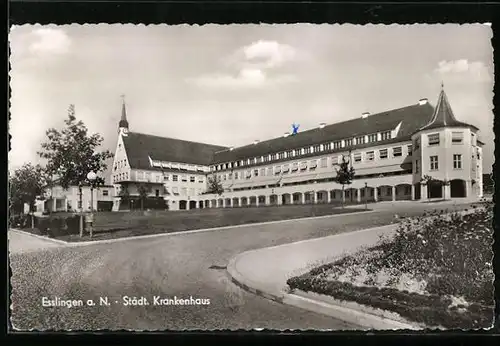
233 84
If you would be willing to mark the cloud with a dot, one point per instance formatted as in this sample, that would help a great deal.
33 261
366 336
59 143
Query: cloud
474 70
268 54
246 78
253 62
50 41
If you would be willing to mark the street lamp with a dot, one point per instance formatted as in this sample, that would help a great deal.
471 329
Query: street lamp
366 196
91 176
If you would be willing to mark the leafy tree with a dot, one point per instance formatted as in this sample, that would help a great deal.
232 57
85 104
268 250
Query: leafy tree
215 185
26 184
345 175
71 153
144 190
124 194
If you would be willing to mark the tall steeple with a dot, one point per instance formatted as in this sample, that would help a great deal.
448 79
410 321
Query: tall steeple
443 114
123 124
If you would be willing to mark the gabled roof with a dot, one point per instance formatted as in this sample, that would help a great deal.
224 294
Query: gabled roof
411 119
443 115
140 147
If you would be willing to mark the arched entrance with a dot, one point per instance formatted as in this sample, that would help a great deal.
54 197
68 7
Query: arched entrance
192 204
458 188
435 189
286 198
200 204
182 205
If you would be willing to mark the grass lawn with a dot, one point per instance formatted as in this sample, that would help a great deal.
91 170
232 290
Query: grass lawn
111 225
436 270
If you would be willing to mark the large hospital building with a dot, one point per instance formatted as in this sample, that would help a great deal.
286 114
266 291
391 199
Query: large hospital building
392 152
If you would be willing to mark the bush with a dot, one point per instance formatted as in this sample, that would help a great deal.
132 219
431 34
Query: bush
73 224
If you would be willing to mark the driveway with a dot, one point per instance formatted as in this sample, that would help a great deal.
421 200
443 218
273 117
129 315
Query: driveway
171 266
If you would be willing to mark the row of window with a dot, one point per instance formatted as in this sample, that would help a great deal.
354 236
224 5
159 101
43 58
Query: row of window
311 165
183 191
434 163
181 166
434 139
146 176
345 143
120 164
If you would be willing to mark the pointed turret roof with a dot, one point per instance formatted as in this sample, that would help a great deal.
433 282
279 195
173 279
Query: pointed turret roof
123 120
443 115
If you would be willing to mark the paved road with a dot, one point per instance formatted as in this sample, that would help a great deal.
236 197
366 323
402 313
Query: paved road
171 266
21 242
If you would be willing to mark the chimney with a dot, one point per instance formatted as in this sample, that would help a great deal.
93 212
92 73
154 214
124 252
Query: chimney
422 102
286 134
322 125
365 115
256 141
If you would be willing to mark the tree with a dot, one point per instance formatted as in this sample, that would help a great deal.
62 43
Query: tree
71 153
25 185
124 194
345 175
144 190
215 185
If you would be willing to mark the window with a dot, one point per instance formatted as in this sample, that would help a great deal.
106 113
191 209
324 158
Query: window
434 163
417 168
383 153
289 153
286 168
433 139
457 161
224 176
269 171
200 179
307 150
184 178
192 179
397 151
295 166
175 190
357 157
175 177
313 164
273 156
335 160
316 148
473 139
258 160
372 138
385 135
281 155
323 162
184 191
230 176
236 175
157 193
303 166
457 137
360 140
105 192
255 172
263 172
328 146
388 192
370 155
348 142
337 145
409 149
277 169
248 174
266 158
165 177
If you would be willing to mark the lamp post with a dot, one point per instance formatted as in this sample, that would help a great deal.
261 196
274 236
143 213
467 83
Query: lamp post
91 176
366 196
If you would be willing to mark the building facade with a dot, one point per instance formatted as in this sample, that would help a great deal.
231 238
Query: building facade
416 152
57 199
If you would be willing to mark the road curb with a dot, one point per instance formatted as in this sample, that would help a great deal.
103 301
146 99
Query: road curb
57 241
213 229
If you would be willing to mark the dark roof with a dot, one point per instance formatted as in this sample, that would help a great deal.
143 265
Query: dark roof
411 118
443 115
139 146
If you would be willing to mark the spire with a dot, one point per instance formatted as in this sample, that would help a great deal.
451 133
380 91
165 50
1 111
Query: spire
123 120
443 114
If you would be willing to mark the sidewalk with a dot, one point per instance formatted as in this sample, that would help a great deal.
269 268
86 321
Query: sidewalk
265 272
21 242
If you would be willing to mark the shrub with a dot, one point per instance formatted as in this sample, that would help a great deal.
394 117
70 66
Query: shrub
73 224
